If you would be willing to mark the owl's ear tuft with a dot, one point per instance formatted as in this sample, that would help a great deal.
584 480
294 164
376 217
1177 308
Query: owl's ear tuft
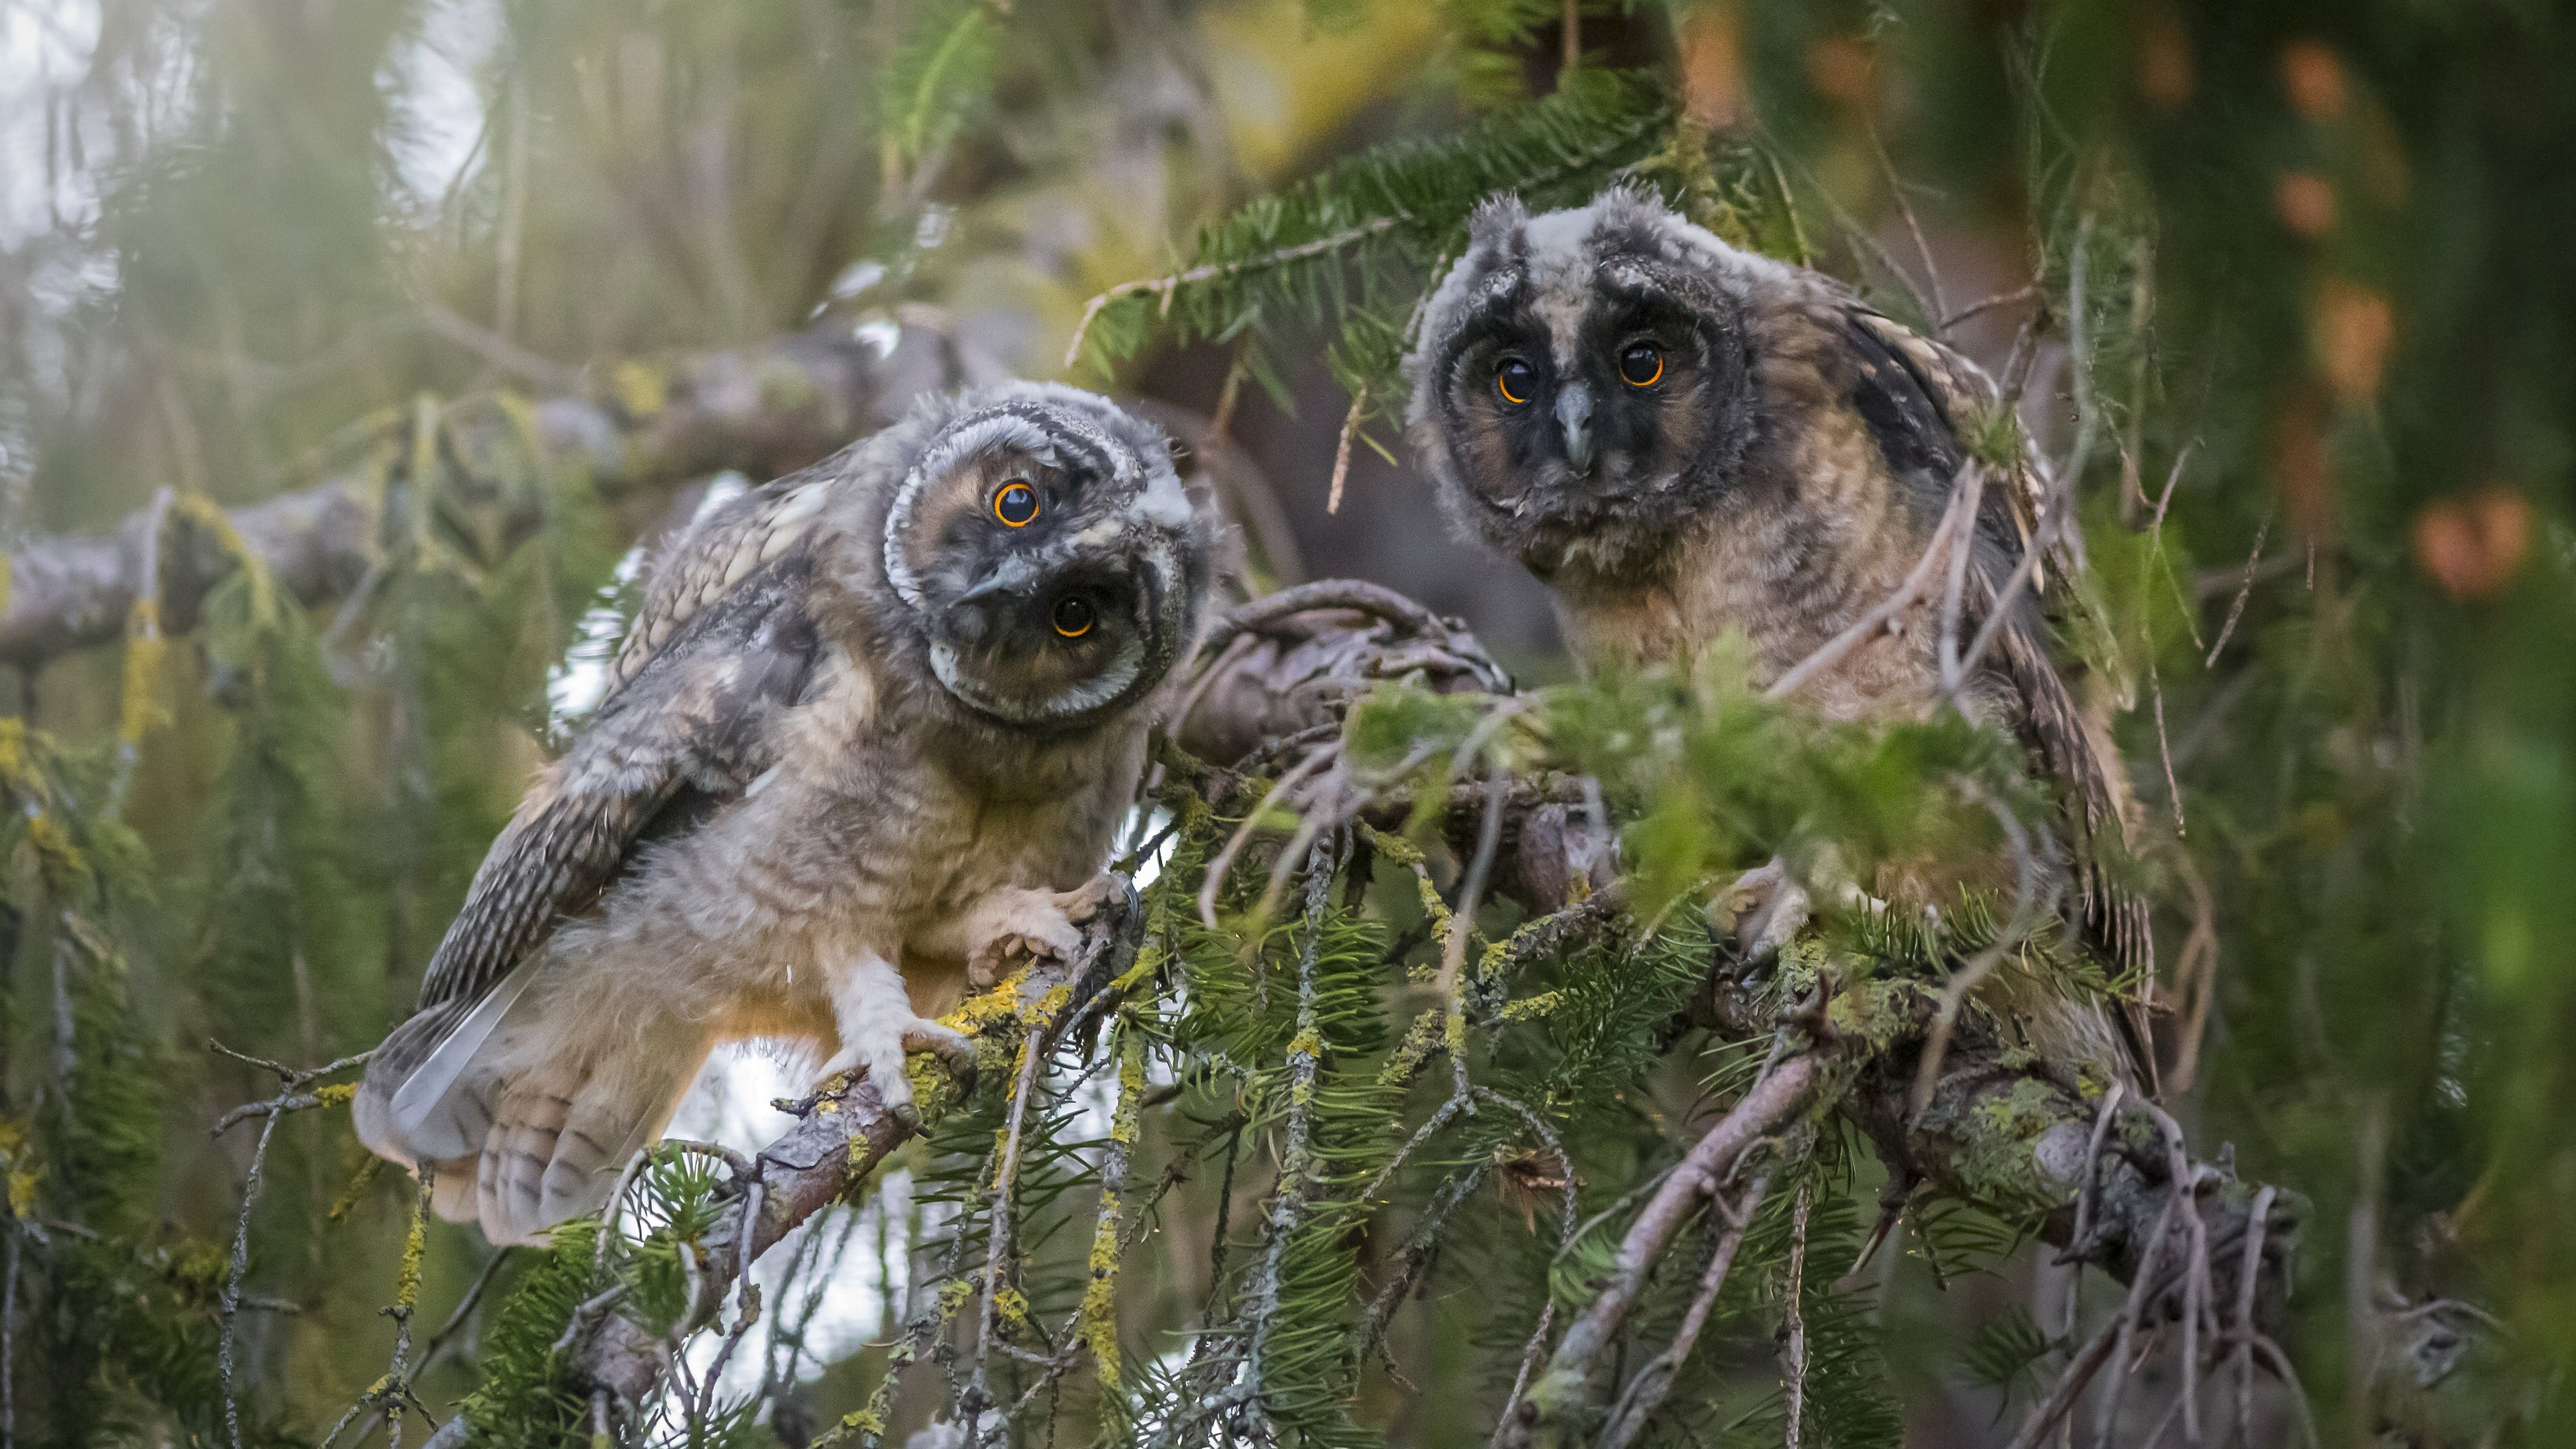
1624 203
1628 216
1496 219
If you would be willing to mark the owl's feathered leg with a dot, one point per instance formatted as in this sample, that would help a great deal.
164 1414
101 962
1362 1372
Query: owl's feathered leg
873 1016
452 1197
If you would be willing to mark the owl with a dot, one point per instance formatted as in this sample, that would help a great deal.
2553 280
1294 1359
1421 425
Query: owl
868 741
1683 439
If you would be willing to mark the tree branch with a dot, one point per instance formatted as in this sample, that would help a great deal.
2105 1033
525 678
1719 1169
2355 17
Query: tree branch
1559 1406
638 428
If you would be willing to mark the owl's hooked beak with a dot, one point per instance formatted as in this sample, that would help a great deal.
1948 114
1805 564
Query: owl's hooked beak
1574 420
999 581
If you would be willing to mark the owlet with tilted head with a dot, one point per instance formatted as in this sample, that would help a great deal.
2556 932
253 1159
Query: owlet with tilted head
1683 439
869 739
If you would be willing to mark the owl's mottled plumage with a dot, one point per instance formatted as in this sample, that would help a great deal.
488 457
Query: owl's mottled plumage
1779 471
855 748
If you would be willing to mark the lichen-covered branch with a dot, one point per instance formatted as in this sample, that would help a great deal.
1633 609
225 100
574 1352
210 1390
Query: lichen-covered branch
2001 1127
637 427
1558 1408
844 1132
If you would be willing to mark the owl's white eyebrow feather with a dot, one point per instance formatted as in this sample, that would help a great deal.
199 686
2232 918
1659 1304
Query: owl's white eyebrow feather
996 430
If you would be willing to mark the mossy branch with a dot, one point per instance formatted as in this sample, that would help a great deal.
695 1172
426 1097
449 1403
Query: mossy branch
637 428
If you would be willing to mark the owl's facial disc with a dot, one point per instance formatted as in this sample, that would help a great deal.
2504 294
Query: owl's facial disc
1049 596
1590 394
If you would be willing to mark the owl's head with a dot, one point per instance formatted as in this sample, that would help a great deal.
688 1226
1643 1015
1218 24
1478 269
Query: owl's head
1047 554
1582 380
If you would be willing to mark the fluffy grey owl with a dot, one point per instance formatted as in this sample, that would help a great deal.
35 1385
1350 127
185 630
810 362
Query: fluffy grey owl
1681 438
870 735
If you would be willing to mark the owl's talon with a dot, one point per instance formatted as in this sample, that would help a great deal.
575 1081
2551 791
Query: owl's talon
1763 910
1017 927
952 1046
1085 901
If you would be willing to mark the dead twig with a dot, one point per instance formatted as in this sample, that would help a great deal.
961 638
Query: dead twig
1954 522
1939 311
1979 309
1779 1094
291 1097
1645 1392
2244 591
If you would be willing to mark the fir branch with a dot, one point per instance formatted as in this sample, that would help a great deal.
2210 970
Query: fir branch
1401 204
1557 1408
844 1131
1167 287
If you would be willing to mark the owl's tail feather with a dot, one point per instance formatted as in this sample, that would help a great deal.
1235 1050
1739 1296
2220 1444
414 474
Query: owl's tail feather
558 1139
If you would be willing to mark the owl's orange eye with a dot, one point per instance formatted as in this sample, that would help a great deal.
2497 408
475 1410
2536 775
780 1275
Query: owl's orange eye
1016 504
1072 617
1642 365
1516 380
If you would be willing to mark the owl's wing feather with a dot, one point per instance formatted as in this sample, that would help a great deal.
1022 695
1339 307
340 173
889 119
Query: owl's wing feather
724 641
1917 396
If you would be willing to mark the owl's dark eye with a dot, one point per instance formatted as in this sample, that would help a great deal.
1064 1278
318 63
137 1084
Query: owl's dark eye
1016 504
1642 365
1071 616
1516 380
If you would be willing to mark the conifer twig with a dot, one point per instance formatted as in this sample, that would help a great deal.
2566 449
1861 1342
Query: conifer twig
1167 287
1645 1392
1561 1394
1793 1323
1006 1177
290 1098
1342 448
1296 1155
1520 1381
2248 1277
